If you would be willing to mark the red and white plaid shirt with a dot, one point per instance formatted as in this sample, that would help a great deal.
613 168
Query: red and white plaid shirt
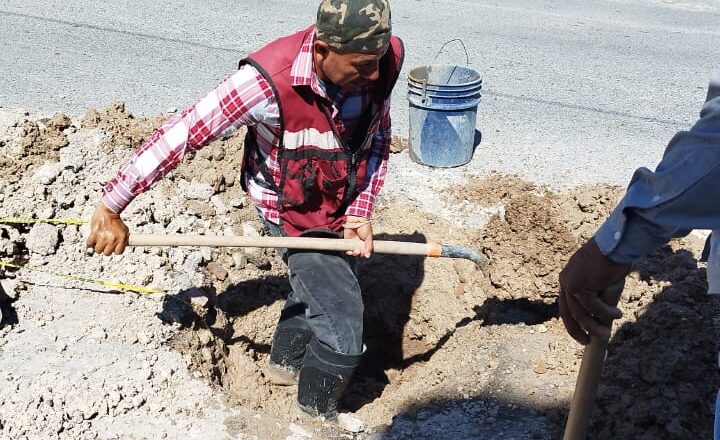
246 98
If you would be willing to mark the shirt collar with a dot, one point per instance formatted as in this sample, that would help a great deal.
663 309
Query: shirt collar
303 68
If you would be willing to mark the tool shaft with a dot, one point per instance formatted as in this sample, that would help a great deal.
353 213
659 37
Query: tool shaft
583 401
327 244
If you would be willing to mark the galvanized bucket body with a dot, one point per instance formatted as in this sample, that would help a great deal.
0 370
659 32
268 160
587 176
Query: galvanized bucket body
443 113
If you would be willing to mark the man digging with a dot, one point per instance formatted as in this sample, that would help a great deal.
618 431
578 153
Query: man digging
316 104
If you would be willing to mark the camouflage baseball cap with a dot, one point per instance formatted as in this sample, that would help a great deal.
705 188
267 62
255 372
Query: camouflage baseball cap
354 25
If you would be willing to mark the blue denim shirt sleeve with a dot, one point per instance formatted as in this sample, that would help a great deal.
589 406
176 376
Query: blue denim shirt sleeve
682 194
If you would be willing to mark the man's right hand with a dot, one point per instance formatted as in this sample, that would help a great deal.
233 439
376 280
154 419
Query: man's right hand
108 232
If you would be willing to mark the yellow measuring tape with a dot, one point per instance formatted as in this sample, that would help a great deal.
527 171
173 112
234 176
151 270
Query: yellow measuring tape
29 220
128 287
67 221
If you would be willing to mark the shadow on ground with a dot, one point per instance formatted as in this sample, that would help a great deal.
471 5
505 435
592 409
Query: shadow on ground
659 382
661 375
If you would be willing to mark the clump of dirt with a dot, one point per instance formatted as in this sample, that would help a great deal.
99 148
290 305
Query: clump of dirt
218 165
126 131
398 144
38 141
585 208
46 135
529 244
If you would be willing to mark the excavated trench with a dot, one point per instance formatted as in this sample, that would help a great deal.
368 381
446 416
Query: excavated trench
414 307
425 319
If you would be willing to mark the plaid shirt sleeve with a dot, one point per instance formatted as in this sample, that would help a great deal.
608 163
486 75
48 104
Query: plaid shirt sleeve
240 99
363 204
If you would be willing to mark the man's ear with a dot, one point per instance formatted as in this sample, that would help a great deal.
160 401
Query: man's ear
322 49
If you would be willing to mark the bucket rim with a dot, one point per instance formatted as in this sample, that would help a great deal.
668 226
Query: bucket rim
429 67
452 88
468 94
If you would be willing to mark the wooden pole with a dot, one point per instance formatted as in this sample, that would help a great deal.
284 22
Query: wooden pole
325 244
583 401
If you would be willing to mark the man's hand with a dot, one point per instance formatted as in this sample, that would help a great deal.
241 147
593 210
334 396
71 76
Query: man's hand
108 233
359 228
582 310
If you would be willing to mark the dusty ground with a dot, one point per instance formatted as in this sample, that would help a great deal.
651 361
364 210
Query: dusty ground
454 352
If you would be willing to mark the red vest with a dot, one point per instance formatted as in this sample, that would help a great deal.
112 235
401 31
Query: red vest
320 173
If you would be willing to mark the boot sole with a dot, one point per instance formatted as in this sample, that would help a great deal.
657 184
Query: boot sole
278 375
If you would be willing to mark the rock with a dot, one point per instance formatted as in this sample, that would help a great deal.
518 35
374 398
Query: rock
238 202
206 253
178 224
138 401
199 191
249 230
240 260
43 239
200 302
205 337
398 144
65 198
44 211
217 271
98 334
47 173
299 431
192 262
11 287
155 262
465 269
8 247
72 159
144 338
220 207
350 423
183 281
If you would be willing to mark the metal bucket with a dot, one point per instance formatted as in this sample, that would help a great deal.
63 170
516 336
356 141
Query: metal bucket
443 111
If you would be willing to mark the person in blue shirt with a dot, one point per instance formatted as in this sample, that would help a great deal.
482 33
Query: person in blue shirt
682 194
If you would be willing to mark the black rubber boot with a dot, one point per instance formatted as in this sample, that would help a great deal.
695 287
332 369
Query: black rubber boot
291 337
4 301
323 378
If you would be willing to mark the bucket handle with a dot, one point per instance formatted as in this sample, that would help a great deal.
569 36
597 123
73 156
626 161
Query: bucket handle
467 63
467 56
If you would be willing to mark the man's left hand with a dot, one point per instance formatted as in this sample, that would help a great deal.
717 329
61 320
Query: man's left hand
582 309
359 228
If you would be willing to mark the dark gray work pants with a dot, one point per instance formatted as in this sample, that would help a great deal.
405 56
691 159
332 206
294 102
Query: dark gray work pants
325 286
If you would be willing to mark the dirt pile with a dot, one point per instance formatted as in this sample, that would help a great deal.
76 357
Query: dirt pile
27 143
124 129
530 241
453 351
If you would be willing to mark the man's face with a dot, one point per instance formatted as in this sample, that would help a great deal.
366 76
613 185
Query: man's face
347 70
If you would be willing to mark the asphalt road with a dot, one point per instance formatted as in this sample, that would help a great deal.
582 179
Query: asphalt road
574 91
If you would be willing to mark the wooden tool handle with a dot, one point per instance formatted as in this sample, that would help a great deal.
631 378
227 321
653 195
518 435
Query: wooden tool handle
583 401
325 244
